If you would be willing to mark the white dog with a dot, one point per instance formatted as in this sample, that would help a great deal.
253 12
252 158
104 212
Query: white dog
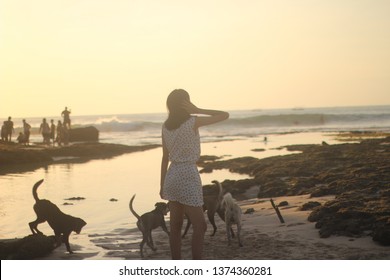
232 216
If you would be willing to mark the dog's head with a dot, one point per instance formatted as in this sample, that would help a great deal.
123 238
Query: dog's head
162 207
78 225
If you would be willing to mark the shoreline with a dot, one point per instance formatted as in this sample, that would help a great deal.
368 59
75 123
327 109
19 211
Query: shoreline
16 158
349 181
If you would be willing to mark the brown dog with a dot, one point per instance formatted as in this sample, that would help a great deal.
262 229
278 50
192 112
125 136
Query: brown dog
61 223
149 221
212 203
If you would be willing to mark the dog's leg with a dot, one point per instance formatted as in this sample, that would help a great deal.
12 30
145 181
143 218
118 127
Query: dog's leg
232 232
34 226
221 214
66 241
210 215
150 241
239 234
164 227
141 227
58 238
228 232
141 246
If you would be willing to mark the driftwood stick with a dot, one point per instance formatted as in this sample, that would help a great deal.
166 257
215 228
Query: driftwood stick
277 211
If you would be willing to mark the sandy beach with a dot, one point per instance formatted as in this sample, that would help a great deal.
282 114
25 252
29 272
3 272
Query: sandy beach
334 176
264 238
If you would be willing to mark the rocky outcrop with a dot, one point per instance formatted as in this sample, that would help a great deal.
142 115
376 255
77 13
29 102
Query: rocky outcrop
19 158
82 134
27 248
357 174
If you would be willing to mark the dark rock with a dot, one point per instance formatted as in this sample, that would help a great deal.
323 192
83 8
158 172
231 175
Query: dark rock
239 165
75 198
258 150
309 205
319 213
27 248
382 235
205 159
16 155
249 211
82 134
238 186
283 203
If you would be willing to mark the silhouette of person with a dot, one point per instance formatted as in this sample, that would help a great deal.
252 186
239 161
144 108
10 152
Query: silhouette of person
26 131
66 115
65 135
4 131
21 139
45 130
180 182
59 133
52 131
9 129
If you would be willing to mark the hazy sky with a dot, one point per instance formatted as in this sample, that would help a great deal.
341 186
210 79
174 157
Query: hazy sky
125 56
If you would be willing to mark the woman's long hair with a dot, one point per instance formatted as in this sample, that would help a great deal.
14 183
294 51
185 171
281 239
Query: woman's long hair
177 115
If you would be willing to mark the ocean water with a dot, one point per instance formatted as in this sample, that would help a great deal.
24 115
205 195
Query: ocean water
139 129
100 181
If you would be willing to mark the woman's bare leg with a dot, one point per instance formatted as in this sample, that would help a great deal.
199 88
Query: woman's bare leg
176 210
196 216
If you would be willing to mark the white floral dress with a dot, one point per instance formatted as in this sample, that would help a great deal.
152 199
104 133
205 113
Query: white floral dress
182 181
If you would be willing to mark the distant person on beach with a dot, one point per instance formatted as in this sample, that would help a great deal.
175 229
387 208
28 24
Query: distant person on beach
21 138
65 135
4 131
59 133
52 131
66 115
45 130
26 131
9 129
180 183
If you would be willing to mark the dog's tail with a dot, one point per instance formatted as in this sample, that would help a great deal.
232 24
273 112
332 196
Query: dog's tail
34 190
132 209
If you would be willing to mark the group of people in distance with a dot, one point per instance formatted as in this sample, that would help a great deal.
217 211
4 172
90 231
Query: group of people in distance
50 133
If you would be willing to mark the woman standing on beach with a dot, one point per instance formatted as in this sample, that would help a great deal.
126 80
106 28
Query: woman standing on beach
181 183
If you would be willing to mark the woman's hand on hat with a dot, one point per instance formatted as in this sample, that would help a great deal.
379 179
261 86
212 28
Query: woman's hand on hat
189 107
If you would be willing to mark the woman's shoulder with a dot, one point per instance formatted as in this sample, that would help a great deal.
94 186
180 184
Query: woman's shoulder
190 122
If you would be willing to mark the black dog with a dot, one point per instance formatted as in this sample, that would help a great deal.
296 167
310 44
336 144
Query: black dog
61 223
149 221
212 204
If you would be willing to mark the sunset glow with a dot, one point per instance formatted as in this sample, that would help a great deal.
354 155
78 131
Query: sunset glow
125 56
